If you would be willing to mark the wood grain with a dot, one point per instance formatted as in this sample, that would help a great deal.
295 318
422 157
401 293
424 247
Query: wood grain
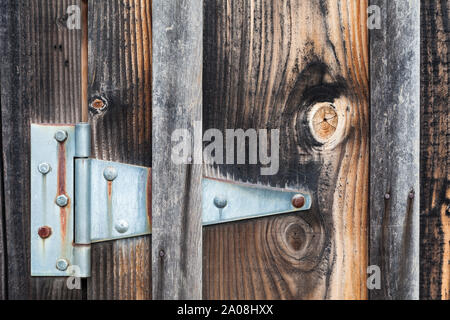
120 114
176 188
275 65
40 83
395 149
84 60
435 141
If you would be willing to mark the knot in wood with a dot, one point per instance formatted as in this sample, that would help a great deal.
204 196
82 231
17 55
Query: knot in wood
324 121
98 104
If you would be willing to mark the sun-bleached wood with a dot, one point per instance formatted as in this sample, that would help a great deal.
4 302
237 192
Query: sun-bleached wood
395 148
176 189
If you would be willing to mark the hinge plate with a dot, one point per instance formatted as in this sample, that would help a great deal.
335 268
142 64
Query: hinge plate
76 201
225 201
119 208
52 227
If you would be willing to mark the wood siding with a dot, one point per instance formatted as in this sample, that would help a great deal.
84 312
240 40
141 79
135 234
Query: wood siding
120 114
274 65
435 142
40 83
176 188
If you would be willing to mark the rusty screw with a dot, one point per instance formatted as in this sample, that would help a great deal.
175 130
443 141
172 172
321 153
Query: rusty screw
298 201
220 202
121 226
62 264
62 200
61 136
45 232
44 168
110 174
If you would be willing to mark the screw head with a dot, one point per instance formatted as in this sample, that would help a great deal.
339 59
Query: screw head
62 264
110 173
220 202
62 200
122 226
298 201
44 168
61 136
45 232
387 196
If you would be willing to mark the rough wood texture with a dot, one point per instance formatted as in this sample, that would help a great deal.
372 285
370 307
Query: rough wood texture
3 266
120 114
40 82
435 139
275 65
395 149
177 104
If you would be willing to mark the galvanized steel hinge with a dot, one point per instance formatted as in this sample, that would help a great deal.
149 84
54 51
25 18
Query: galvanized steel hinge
76 200
225 201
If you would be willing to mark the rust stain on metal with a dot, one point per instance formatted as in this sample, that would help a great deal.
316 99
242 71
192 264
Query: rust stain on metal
109 207
149 198
109 190
45 232
61 189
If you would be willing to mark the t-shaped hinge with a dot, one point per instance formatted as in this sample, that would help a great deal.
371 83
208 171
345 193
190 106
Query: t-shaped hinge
76 200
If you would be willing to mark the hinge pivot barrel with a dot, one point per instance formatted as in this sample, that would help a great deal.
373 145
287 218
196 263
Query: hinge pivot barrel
83 140
82 183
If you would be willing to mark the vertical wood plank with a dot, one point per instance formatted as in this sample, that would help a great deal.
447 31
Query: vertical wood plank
3 253
177 102
273 65
120 114
395 149
435 141
40 83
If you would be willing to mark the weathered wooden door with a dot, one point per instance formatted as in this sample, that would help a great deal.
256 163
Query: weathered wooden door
303 67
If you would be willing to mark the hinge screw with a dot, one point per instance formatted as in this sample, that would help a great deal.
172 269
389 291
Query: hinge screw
62 200
62 264
61 136
45 232
110 173
220 202
298 201
122 226
44 168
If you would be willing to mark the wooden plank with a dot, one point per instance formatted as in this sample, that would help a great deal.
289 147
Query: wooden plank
435 141
40 83
176 189
3 253
84 60
395 149
271 65
120 113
